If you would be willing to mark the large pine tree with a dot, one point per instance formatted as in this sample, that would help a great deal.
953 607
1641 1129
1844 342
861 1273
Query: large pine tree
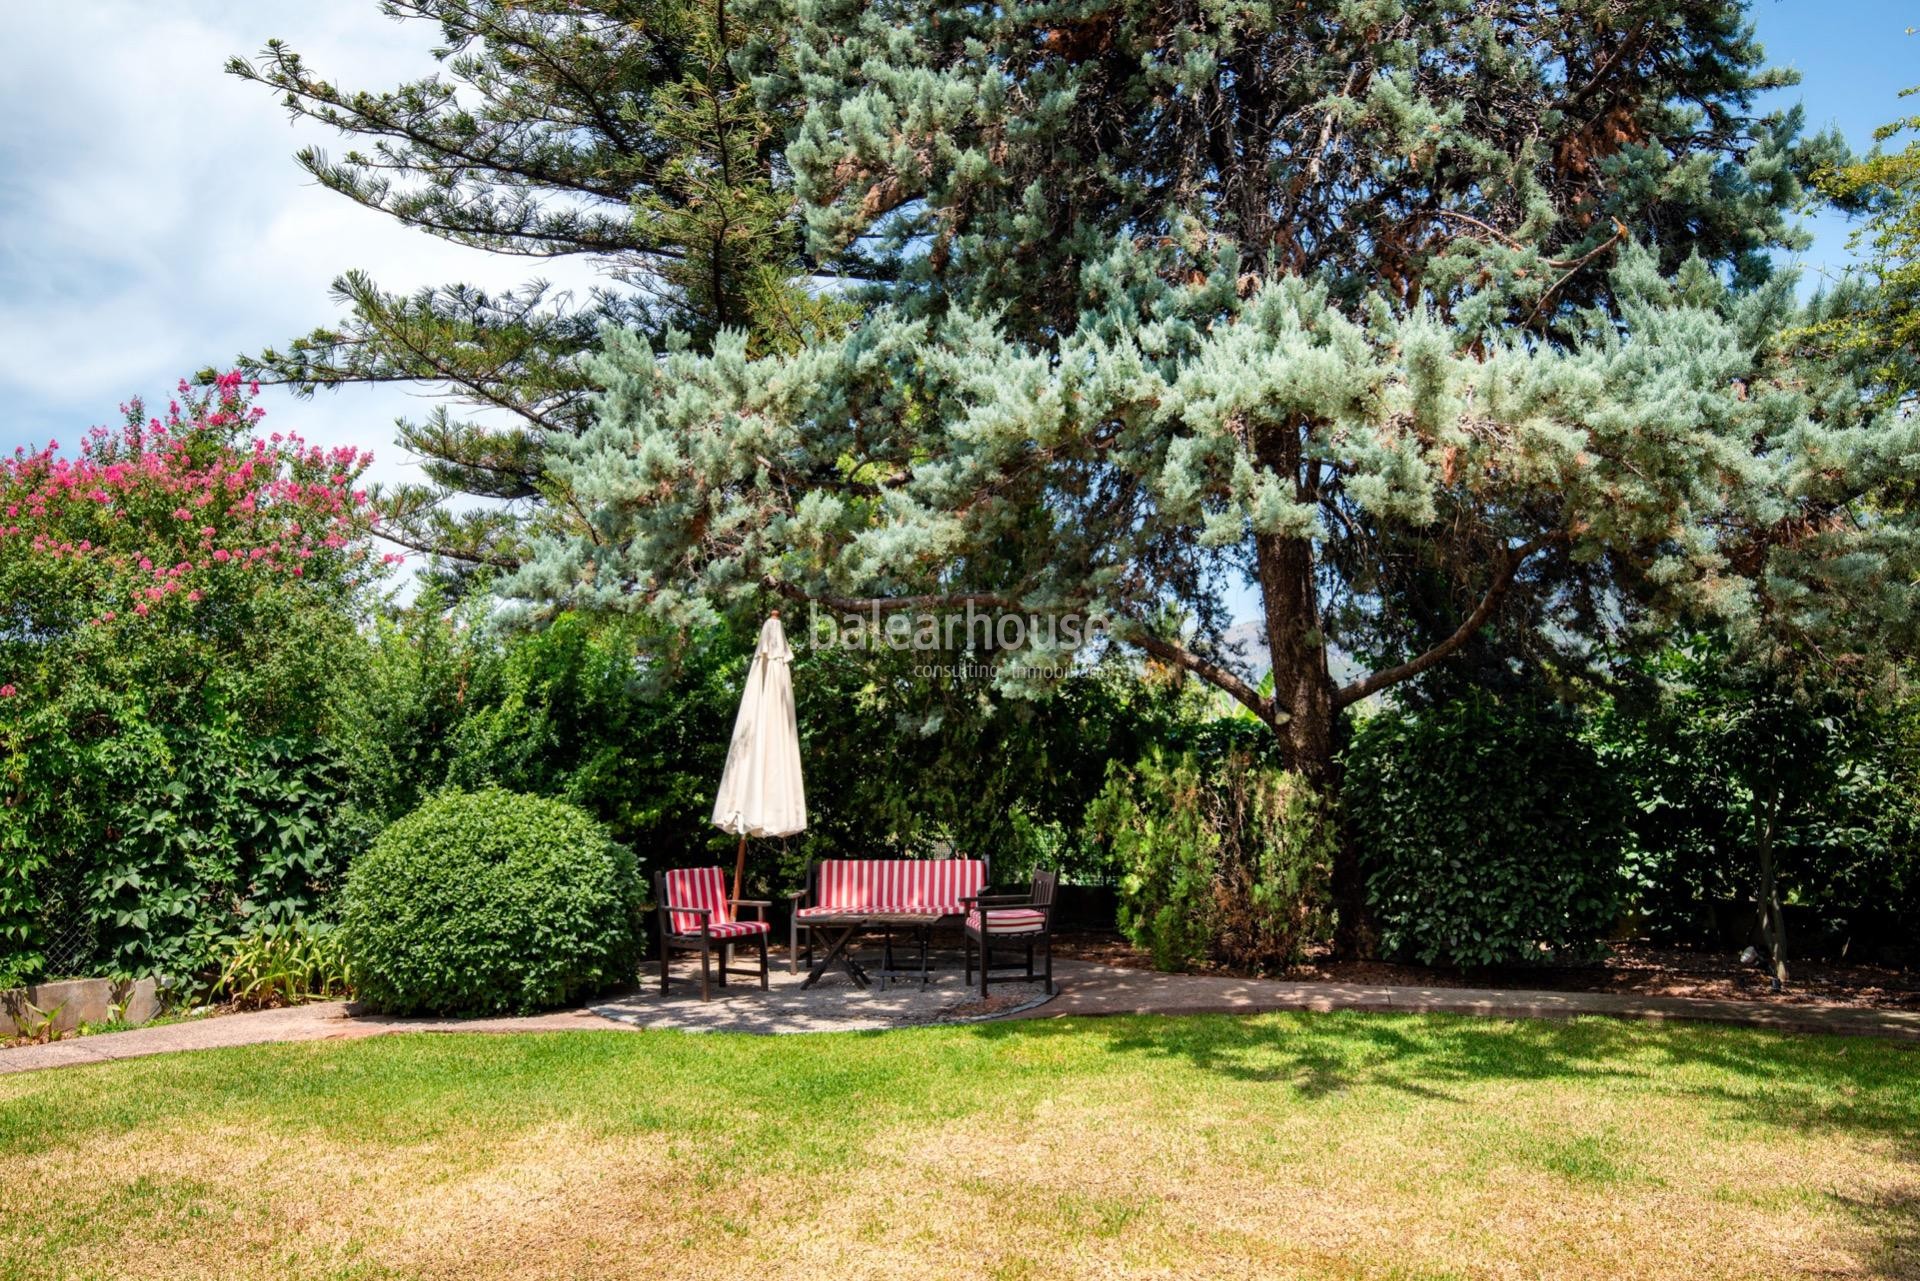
617 131
1351 300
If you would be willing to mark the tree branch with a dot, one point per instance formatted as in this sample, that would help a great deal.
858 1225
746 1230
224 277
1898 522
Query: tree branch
1510 563
472 557
1210 672
1619 236
889 604
1133 633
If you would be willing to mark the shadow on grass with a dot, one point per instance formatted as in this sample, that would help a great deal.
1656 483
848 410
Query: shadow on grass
1856 1088
820 1102
1893 1224
1836 1084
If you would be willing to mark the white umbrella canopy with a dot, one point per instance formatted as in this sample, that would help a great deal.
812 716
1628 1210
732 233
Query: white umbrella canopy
761 793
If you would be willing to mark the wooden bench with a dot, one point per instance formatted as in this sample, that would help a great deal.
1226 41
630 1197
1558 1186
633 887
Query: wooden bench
845 895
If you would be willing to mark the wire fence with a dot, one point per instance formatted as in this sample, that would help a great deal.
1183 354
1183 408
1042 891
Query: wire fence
72 941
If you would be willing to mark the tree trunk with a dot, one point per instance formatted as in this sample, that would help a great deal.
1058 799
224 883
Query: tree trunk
1302 690
1304 710
1773 923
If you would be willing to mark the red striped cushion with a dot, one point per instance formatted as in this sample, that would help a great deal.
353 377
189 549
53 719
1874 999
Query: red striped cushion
898 885
1009 920
733 929
697 887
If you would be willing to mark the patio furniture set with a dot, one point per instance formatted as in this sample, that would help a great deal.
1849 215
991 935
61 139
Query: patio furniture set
846 900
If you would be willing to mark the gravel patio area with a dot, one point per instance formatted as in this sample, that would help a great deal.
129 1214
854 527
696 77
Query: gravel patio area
834 1004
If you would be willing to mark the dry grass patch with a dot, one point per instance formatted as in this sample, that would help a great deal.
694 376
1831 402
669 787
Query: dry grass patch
1290 1146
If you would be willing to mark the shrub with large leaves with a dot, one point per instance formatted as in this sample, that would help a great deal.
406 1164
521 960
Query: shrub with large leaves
1742 777
1490 832
491 902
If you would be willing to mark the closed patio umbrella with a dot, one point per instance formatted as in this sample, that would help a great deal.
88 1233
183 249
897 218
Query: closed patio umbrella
760 790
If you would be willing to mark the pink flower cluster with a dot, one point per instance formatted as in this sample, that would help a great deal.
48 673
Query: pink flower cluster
166 514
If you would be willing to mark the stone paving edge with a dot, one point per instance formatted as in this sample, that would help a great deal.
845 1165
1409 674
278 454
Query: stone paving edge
1101 991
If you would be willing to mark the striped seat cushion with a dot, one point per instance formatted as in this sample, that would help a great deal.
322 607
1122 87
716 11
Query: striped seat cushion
703 887
879 885
1009 920
733 929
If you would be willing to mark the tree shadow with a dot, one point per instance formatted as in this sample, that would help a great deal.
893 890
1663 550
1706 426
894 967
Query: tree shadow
1891 1225
1858 1086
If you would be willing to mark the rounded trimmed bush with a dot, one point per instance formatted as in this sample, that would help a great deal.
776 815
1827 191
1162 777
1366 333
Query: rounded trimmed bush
491 902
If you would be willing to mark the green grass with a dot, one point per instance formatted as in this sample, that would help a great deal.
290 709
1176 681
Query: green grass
1347 1145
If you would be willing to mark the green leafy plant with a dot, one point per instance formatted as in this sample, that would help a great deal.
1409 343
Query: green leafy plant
180 595
1489 831
1227 860
1757 796
38 1026
283 966
1871 316
491 902
631 723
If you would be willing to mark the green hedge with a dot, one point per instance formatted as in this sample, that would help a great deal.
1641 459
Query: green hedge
1490 831
491 902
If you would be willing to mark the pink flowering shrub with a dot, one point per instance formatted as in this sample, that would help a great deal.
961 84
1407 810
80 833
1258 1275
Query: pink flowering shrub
165 517
175 599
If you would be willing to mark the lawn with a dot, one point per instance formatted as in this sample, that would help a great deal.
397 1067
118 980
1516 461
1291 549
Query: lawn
1345 1145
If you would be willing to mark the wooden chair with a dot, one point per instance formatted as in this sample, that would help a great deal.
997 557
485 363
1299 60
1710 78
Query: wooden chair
697 916
1025 922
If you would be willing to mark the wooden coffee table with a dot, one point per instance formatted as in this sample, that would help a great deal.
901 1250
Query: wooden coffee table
841 931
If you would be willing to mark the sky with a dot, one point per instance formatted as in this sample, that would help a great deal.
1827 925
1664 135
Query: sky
1854 58
153 221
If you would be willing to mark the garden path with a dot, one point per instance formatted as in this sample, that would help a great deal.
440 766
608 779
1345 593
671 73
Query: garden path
1086 988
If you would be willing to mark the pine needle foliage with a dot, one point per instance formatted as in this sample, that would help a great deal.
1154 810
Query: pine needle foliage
1363 303
617 131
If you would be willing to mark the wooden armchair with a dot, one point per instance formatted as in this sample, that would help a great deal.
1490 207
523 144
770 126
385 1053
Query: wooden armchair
697 916
1011 920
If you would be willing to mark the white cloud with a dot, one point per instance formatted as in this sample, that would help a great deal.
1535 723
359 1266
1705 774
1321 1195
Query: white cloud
153 222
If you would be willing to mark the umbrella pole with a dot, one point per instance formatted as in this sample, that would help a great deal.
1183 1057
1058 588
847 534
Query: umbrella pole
739 872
